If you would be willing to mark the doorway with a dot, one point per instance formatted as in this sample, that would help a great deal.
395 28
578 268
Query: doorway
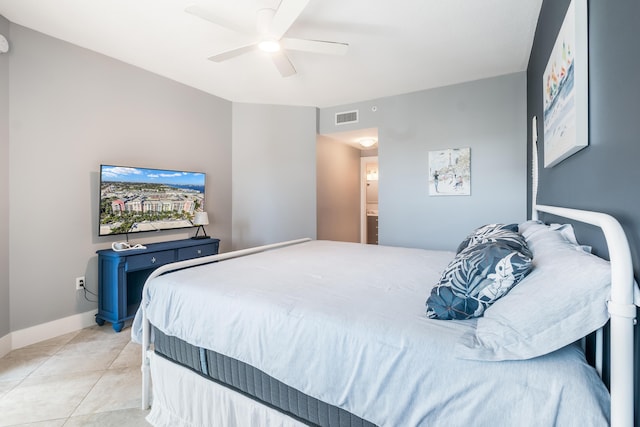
369 177
341 190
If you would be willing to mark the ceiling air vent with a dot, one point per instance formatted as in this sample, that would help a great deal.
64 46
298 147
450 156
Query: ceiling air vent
347 117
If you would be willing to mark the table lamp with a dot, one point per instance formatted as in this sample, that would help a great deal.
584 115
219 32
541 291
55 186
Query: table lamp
200 219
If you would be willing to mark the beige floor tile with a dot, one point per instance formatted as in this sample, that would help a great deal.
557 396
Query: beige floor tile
90 348
117 389
101 334
130 357
43 384
33 352
6 386
44 348
45 398
17 368
58 341
48 423
121 418
19 363
72 362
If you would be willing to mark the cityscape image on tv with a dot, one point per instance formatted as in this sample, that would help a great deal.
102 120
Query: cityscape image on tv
141 199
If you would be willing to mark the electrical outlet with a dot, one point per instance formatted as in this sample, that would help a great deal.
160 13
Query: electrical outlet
79 282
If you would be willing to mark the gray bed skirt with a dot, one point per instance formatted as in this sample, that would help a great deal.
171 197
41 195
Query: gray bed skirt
254 383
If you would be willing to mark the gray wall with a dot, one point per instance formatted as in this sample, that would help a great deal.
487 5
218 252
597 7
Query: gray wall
71 110
605 175
4 184
338 190
274 174
486 115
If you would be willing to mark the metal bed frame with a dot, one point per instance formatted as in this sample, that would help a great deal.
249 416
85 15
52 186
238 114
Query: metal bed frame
621 308
146 326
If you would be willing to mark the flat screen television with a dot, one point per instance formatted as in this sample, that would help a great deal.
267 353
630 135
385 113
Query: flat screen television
135 199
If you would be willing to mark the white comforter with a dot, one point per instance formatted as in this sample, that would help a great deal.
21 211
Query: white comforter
346 323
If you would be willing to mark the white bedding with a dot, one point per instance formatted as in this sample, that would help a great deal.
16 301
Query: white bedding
174 405
346 323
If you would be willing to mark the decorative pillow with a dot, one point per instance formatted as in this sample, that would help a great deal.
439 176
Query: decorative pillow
513 239
492 233
476 278
528 228
562 300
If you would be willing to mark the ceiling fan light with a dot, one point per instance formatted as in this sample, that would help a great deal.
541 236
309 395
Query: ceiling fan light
269 46
367 142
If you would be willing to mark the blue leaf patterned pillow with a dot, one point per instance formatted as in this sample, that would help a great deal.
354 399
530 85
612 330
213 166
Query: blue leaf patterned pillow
476 278
481 233
507 234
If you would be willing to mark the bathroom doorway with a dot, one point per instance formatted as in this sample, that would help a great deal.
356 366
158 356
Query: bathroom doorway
369 200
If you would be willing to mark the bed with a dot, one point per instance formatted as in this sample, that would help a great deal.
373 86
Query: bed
336 334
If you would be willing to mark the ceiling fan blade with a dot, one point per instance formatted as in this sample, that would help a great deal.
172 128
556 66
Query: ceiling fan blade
283 64
223 56
315 46
286 14
213 17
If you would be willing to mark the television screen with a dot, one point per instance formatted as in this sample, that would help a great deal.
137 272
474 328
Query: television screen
139 199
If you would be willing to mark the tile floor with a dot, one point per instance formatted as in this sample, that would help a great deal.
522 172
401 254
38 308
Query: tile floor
86 378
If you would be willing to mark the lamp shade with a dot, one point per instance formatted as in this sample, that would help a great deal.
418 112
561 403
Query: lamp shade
201 218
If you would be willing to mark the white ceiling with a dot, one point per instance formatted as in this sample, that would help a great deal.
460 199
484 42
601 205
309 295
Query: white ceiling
395 47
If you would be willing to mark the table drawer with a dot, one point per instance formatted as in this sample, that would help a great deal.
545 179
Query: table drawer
196 252
150 260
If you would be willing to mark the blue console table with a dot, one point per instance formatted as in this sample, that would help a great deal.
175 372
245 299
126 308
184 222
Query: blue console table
121 275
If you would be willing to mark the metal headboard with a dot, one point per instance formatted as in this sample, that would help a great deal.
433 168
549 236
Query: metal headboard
621 305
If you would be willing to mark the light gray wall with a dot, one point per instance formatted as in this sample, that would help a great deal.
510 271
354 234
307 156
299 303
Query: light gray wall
71 110
338 190
4 184
274 174
489 116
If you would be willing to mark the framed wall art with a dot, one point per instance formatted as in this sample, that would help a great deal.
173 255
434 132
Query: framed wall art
450 172
566 88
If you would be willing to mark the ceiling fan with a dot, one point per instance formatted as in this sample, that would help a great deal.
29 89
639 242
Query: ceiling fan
271 26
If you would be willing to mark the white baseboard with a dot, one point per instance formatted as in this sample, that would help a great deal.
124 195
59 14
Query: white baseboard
5 344
45 331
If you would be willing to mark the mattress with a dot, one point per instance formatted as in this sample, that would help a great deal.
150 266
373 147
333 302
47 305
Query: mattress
345 324
254 383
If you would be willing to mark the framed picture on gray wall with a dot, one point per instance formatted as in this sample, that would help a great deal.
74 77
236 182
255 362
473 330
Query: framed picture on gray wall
566 88
450 172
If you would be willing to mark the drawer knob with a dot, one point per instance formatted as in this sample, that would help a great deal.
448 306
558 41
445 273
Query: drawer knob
153 260
199 251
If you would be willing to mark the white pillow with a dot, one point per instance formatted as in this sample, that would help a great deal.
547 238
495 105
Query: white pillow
563 299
